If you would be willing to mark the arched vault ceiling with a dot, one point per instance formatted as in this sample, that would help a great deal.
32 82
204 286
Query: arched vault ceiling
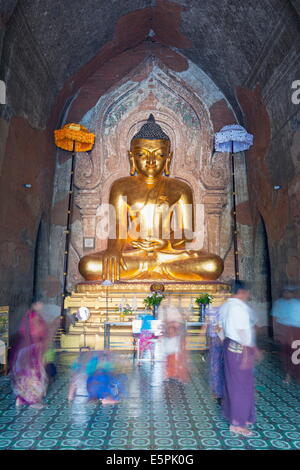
228 40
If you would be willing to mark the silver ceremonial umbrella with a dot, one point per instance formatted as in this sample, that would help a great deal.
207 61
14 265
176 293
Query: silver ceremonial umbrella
233 139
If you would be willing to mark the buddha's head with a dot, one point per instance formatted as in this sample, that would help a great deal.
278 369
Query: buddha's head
149 153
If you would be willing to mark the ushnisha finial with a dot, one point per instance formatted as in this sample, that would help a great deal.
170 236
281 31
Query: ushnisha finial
151 130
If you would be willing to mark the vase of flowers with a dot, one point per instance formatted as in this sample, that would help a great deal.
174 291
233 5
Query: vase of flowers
152 302
127 310
203 300
124 310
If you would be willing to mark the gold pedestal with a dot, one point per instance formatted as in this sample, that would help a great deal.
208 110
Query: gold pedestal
97 297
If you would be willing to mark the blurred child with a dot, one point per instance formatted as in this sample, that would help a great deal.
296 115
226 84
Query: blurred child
146 337
104 383
96 373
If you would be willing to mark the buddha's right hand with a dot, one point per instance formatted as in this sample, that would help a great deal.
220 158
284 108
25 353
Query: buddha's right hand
111 267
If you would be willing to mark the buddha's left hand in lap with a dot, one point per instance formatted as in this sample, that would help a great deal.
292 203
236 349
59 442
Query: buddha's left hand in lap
151 244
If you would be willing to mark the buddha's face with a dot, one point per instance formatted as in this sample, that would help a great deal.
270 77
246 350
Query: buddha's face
150 157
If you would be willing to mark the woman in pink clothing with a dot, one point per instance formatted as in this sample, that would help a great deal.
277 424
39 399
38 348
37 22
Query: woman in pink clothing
28 377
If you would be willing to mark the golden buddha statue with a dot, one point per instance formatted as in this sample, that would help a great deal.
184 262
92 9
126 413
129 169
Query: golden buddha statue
153 220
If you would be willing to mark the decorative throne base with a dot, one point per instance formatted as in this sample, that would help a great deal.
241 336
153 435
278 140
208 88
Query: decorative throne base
103 303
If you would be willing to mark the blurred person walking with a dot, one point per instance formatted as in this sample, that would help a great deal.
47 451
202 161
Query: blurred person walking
215 354
286 312
95 376
237 323
280 311
174 341
104 383
146 337
28 376
295 335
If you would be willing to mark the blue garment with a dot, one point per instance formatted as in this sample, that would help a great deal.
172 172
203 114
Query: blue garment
213 319
216 366
279 310
146 322
76 366
92 365
287 312
293 316
86 365
106 385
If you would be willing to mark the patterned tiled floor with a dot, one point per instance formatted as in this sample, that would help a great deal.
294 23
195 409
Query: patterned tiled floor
156 414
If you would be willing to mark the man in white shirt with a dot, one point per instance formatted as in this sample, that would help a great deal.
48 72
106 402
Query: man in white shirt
236 324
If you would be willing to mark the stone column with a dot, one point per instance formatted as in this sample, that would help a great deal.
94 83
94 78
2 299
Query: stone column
88 202
214 202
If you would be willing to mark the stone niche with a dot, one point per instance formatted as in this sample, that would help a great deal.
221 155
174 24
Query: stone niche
185 117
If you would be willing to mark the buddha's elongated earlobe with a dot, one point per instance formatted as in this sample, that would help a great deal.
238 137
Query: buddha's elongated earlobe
132 164
168 163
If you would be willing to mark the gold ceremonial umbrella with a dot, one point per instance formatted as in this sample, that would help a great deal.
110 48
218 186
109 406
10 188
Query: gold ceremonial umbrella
73 138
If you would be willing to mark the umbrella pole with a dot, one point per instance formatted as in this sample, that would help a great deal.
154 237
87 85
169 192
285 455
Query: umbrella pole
67 239
235 239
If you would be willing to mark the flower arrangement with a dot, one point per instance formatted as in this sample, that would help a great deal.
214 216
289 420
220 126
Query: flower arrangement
127 310
204 299
152 299
124 309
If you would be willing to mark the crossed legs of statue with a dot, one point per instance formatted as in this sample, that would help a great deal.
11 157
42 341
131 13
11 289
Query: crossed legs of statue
182 266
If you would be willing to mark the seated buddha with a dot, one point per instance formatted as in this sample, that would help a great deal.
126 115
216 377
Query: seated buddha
153 219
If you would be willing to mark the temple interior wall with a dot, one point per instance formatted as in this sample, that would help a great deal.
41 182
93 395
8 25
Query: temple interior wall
250 86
